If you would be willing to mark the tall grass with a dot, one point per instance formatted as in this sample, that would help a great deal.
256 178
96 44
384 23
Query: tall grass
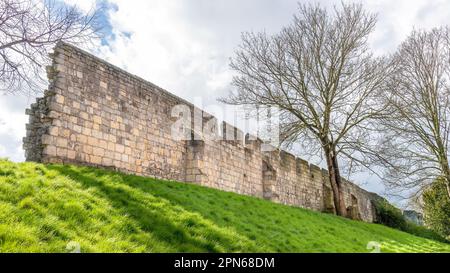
52 208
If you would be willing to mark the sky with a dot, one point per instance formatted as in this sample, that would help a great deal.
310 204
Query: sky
184 46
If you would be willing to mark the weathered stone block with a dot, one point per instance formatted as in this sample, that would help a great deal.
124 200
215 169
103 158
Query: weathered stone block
96 159
61 152
71 154
98 151
119 148
61 142
49 151
59 99
53 131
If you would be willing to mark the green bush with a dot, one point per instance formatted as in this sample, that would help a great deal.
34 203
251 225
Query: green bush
424 232
437 208
388 215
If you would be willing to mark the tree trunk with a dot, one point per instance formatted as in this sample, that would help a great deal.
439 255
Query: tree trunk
448 187
447 181
335 181
446 170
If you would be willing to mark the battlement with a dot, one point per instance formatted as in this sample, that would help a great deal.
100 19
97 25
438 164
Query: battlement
100 115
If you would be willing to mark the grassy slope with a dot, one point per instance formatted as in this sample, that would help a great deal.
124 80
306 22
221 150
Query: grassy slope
44 207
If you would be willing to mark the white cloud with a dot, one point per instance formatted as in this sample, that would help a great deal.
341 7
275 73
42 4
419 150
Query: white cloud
12 125
185 46
165 49
396 19
85 6
11 119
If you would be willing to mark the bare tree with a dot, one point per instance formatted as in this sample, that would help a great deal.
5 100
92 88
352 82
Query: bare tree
29 29
417 122
321 74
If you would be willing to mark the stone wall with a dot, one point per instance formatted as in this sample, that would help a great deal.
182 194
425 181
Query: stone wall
102 116
97 114
226 165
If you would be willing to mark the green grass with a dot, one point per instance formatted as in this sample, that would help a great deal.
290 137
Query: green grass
43 208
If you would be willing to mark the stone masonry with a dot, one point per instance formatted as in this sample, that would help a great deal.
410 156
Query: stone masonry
96 114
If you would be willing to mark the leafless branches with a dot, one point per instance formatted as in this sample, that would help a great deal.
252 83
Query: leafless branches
321 74
416 126
28 31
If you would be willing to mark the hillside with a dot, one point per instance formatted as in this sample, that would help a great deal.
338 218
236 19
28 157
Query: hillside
44 207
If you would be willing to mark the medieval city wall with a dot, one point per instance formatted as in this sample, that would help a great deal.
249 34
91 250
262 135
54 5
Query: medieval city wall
97 114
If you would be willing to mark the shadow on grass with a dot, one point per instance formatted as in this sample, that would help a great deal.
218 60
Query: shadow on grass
191 219
185 231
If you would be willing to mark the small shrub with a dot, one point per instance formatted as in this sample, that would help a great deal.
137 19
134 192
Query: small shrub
388 215
424 232
437 208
